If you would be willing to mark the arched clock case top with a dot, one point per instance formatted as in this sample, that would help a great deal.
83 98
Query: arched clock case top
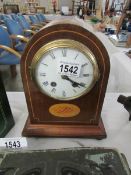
51 115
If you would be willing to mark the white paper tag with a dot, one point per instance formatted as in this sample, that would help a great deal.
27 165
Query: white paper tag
69 68
13 143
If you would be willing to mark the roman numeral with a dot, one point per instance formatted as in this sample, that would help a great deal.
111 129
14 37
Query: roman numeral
45 83
74 90
43 74
64 52
53 90
83 65
86 75
76 56
44 64
52 54
64 93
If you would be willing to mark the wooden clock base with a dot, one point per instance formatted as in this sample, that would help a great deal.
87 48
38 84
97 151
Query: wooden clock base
52 130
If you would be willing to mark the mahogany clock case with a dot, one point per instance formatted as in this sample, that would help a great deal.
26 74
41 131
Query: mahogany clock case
88 122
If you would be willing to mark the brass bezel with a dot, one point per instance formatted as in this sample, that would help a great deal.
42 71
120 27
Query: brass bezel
70 44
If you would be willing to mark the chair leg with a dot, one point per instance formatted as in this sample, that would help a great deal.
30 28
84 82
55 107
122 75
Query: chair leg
13 71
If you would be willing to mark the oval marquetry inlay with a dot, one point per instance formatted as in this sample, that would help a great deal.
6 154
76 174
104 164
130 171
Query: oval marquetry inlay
64 110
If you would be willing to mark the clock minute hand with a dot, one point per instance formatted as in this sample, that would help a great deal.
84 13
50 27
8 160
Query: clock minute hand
74 84
65 77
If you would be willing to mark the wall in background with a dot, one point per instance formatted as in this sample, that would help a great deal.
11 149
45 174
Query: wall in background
48 5
66 3
44 3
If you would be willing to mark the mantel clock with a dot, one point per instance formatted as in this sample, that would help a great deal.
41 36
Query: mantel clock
65 70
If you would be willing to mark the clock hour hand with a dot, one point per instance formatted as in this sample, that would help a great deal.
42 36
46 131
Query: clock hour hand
74 84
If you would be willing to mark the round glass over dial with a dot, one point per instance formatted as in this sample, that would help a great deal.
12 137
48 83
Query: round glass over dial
65 69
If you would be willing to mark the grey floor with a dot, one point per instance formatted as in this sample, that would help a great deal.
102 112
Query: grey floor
11 84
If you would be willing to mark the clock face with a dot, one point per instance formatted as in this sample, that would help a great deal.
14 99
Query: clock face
64 69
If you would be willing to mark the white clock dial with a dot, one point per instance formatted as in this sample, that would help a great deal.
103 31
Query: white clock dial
65 72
